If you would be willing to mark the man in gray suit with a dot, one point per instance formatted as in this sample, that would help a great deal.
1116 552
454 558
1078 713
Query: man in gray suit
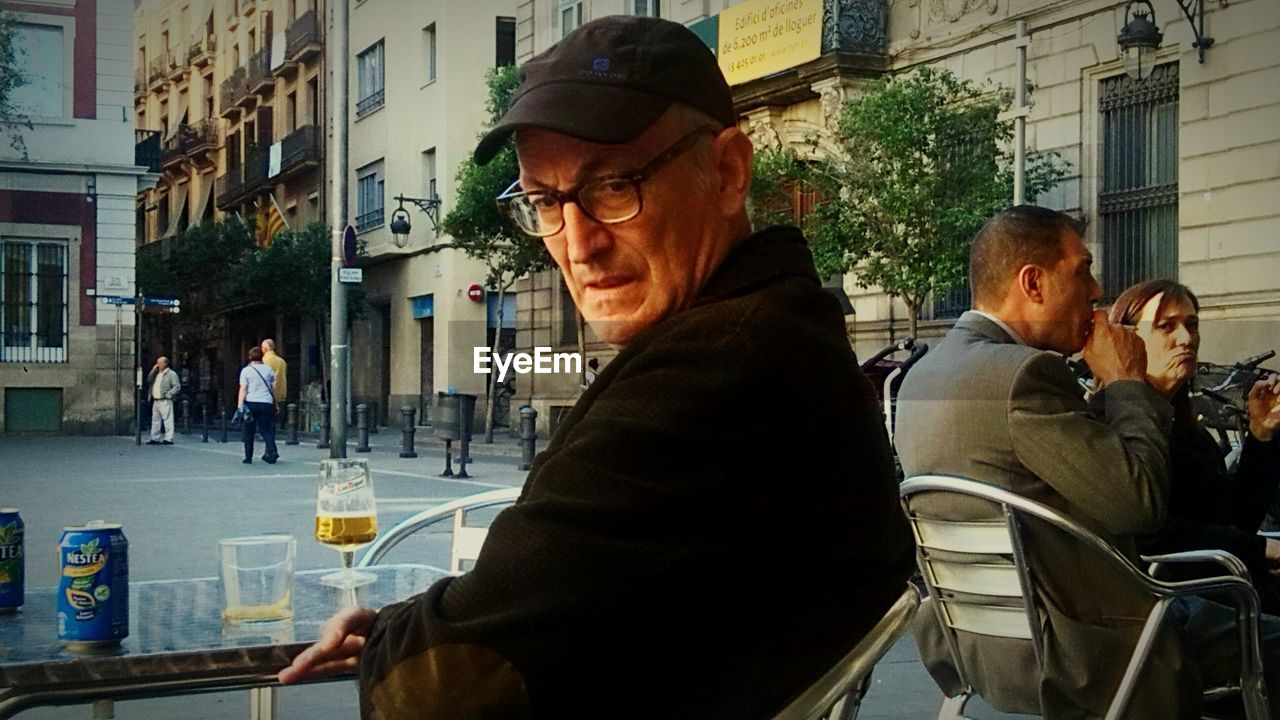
996 402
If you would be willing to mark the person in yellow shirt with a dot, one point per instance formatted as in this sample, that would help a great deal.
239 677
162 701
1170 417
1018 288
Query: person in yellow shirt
276 363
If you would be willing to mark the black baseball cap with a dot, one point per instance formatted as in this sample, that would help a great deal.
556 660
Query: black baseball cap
610 79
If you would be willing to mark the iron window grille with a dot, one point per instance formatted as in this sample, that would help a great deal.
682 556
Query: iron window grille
33 301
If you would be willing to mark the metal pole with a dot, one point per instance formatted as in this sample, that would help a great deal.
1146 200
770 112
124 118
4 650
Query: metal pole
339 349
1020 124
137 352
119 366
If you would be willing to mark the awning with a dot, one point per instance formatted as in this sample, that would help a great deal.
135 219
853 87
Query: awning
206 191
184 103
176 210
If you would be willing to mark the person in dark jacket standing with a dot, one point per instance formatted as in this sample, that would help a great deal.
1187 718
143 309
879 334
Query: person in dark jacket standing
1209 508
662 561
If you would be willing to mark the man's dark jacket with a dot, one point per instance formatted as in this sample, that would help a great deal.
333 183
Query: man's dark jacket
713 525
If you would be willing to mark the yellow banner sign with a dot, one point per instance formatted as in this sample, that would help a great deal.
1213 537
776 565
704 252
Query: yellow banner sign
762 37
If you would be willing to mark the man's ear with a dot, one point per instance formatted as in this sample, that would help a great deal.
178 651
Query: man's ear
1030 282
733 152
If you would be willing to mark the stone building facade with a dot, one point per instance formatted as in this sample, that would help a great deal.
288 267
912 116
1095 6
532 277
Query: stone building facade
1178 175
67 221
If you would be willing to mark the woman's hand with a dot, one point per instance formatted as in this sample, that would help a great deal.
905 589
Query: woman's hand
1264 408
337 650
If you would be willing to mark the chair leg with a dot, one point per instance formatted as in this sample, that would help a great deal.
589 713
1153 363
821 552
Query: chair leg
953 707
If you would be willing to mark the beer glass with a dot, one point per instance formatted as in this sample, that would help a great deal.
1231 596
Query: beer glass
346 517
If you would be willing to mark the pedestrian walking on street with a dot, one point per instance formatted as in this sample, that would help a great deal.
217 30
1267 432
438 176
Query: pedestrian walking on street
165 386
279 367
257 393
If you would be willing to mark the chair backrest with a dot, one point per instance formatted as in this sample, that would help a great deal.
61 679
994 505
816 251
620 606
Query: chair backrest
845 676
467 539
974 570
992 592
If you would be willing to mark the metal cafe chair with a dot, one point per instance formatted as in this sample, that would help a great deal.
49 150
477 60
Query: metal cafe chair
838 694
992 592
467 539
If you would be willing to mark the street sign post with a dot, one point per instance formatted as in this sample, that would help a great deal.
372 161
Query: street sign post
350 275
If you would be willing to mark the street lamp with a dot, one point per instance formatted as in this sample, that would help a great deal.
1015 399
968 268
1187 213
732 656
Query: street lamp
1139 39
400 225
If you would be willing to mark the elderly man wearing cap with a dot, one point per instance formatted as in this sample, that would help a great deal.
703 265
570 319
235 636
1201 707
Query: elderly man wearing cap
675 553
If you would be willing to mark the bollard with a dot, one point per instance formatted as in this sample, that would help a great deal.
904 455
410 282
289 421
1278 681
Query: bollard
323 443
464 430
362 427
224 424
407 450
291 420
186 416
448 459
204 422
528 436
374 417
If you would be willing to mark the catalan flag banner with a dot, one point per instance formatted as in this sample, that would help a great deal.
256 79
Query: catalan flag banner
270 221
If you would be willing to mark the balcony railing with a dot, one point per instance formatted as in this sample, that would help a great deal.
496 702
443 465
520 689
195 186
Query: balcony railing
146 149
171 148
370 103
229 188
256 161
158 70
232 90
178 68
198 139
260 77
139 81
300 150
303 37
369 219
202 48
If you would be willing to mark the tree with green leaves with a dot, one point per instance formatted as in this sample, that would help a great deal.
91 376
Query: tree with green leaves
481 230
922 162
11 78
201 268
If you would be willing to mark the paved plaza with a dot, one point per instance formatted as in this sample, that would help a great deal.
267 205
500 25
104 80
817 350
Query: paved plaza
176 501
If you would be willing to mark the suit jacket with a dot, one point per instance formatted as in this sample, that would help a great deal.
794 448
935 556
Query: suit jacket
673 554
170 384
984 407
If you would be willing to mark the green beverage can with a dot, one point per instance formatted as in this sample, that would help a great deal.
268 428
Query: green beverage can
93 586
12 561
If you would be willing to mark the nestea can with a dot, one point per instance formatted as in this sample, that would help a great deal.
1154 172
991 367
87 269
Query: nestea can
12 562
93 585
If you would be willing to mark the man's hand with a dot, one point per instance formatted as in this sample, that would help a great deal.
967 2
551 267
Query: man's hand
1114 352
1264 408
1272 555
337 650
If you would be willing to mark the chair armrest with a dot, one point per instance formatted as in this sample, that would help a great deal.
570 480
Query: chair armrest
1232 563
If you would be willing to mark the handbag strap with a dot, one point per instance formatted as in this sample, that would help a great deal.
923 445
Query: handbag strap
270 390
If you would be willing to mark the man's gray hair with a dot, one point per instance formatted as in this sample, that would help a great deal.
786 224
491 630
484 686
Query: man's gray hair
269 344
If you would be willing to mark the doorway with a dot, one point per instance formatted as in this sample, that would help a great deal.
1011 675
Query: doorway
427 327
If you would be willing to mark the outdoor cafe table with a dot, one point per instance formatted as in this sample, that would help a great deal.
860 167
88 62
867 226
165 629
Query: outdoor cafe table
177 641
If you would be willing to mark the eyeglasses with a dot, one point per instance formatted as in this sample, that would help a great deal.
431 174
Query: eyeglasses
611 199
